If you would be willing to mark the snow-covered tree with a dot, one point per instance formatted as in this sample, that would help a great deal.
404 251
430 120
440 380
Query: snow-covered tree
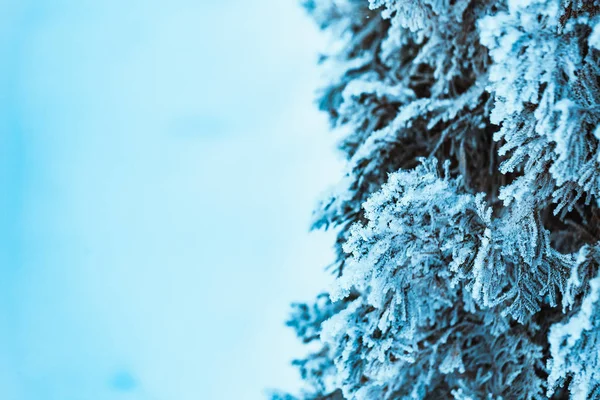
468 216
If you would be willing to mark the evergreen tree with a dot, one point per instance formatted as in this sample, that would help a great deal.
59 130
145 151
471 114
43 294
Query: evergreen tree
468 216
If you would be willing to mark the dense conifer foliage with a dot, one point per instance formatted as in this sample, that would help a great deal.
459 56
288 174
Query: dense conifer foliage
468 216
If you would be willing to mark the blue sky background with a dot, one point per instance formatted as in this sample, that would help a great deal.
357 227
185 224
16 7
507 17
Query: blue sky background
159 161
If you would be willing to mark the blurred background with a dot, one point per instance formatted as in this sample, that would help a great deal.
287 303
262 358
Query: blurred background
159 161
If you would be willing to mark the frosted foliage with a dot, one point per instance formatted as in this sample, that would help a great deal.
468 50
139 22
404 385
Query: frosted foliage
413 263
401 95
575 348
467 216
317 369
547 93
419 219
421 14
